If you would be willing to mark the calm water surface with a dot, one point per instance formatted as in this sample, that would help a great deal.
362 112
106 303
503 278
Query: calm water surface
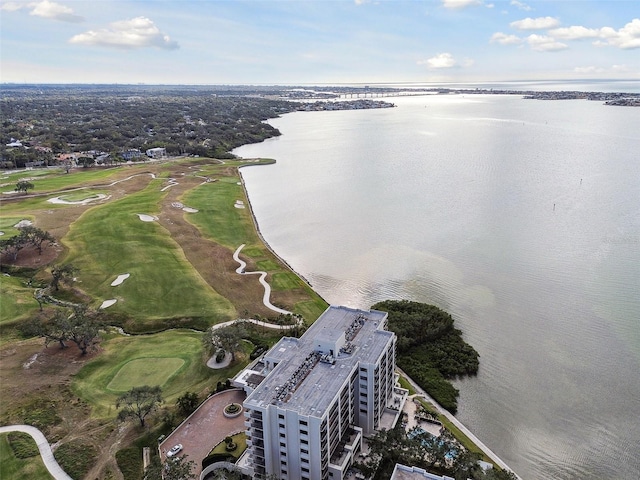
521 218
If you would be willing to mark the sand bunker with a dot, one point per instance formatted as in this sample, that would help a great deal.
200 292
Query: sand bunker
120 279
147 218
239 204
182 207
23 223
108 303
1 233
93 198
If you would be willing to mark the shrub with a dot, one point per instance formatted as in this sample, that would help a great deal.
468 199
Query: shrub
130 463
23 445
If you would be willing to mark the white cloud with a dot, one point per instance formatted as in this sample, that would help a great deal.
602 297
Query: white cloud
544 43
574 33
589 70
539 23
504 39
44 9
614 69
12 6
627 37
138 32
521 6
460 3
441 60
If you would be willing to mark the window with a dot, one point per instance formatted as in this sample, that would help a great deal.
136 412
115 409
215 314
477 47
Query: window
282 444
303 422
304 442
282 435
304 451
304 432
281 416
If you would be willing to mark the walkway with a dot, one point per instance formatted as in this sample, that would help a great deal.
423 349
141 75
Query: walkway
45 450
267 288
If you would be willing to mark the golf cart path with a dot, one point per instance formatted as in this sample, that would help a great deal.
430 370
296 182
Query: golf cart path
263 275
46 453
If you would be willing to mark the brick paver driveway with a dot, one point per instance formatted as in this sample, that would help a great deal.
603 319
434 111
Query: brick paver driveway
206 427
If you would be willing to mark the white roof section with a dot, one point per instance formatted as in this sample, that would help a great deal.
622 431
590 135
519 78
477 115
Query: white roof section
311 370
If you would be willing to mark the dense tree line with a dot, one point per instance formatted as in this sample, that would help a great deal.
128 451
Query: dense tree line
430 349
52 120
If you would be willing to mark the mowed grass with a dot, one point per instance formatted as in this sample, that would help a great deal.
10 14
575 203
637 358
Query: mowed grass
7 225
217 217
52 180
109 240
13 467
16 299
81 195
151 371
94 381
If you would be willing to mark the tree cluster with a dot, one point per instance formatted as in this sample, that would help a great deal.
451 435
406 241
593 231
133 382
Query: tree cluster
442 455
27 236
430 349
79 325
113 119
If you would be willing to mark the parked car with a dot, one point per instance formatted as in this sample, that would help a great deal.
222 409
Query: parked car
174 450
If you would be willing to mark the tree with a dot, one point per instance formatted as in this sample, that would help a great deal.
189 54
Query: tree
24 186
36 236
62 273
79 325
85 325
179 468
13 245
139 402
228 338
187 403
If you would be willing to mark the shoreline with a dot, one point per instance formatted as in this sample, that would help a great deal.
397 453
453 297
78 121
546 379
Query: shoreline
494 457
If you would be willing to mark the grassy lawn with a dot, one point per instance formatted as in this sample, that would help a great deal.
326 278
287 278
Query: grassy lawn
7 225
217 218
52 180
145 371
94 382
110 239
81 195
240 439
14 467
16 299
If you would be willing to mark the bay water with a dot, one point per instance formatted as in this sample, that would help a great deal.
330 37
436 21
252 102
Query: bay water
519 217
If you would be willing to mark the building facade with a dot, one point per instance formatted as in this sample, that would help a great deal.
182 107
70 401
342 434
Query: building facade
312 400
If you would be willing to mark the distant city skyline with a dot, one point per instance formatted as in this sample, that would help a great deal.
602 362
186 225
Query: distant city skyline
317 42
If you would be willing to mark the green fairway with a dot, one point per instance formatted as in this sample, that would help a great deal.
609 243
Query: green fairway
110 239
80 195
16 299
150 371
51 180
217 218
93 382
14 467
7 225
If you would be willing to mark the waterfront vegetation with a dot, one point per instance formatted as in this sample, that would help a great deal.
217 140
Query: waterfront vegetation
430 349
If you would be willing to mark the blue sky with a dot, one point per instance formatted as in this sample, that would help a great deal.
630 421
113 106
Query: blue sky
314 42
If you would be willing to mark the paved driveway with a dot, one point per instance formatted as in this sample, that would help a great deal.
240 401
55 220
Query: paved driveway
206 427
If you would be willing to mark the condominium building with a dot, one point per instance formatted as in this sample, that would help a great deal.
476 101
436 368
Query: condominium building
312 399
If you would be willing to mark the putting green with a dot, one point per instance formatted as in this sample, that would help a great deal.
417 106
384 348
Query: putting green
145 371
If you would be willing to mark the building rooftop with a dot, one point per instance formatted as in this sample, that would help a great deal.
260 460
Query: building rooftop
311 369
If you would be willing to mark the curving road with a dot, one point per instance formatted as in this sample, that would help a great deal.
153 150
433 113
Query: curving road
46 453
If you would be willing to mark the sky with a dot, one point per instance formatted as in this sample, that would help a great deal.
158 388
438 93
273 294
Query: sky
298 42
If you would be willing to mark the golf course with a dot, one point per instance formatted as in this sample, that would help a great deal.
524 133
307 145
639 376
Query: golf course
151 247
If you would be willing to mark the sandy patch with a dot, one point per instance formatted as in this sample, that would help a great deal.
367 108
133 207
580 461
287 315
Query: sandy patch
183 208
239 204
120 279
147 218
23 223
108 303
94 198
1 233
